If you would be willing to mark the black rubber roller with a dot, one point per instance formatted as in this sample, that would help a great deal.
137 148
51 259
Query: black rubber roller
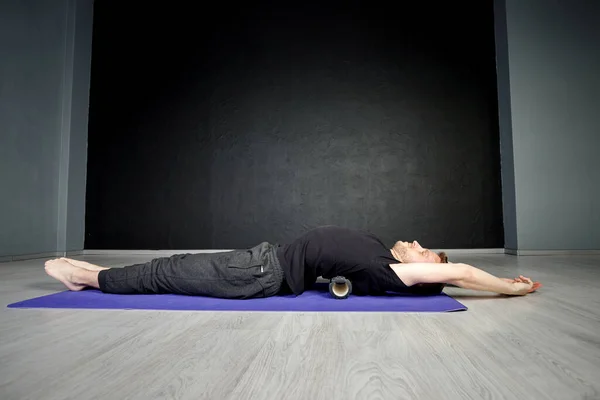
340 288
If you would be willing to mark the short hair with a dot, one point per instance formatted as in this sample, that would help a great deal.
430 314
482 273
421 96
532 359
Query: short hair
443 257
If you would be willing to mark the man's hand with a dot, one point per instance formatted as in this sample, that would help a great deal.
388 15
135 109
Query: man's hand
523 285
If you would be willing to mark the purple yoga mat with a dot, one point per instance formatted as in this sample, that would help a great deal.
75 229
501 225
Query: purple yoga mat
317 299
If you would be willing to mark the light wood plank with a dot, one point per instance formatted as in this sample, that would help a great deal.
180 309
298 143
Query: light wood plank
543 346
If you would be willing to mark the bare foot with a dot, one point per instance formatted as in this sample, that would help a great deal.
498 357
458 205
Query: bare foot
62 271
83 264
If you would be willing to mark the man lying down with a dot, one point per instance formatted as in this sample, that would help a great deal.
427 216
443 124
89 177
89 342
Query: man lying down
267 270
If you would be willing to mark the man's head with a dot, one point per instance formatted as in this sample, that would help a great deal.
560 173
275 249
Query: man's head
412 252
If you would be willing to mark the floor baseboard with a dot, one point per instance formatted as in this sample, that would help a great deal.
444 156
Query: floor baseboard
171 252
469 251
516 252
145 252
35 256
32 256
163 253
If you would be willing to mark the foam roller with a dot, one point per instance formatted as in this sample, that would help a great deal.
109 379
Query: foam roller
340 288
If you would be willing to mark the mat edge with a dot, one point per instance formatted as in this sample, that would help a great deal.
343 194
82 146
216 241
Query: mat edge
17 305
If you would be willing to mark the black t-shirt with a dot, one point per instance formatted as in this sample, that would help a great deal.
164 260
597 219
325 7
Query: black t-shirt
331 251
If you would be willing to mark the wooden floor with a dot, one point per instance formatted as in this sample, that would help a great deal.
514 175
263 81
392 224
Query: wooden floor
543 346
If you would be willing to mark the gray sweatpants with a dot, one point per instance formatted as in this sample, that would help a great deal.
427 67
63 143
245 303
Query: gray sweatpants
239 274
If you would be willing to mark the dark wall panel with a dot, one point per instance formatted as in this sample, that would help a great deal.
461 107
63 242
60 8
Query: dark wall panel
221 128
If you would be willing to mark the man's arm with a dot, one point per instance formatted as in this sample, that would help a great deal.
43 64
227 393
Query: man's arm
462 275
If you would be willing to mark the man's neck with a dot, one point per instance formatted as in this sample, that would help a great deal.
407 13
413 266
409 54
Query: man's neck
396 255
